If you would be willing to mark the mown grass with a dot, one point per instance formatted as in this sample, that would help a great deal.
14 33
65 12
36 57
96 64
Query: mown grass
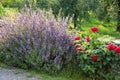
105 28
68 73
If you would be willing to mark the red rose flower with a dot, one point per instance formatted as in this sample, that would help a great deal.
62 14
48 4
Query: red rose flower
94 58
94 29
111 46
77 38
117 50
87 39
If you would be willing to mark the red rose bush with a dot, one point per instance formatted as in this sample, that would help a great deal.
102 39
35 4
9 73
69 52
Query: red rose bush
97 58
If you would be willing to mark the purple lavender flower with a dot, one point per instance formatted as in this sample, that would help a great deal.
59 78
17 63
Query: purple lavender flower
38 39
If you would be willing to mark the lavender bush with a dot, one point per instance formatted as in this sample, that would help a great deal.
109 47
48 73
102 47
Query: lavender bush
36 39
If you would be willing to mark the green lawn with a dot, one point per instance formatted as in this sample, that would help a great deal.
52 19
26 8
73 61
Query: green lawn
67 74
105 28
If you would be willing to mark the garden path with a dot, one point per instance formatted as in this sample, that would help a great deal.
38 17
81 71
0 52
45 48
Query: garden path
16 74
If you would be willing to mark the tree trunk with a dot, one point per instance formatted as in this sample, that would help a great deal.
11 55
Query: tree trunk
27 3
75 21
75 18
118 22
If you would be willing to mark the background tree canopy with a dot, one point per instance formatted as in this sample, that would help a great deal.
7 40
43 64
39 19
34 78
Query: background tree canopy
80 10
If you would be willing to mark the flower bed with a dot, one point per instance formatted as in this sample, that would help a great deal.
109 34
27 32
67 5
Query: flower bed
98 59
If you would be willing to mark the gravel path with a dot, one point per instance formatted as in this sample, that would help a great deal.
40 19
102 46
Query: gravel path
16 74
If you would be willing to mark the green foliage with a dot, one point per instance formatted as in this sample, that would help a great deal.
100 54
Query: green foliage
104 27
17 3
106 10
2 11
103 68
45 4
78 9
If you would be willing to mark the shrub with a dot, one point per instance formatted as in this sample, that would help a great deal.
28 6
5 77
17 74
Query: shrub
98 59
35 39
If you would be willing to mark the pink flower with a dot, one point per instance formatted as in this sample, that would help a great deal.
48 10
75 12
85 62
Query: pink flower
78 47
117 50
111 46
87 39
94 29
0 32
94 58
1 36
77 38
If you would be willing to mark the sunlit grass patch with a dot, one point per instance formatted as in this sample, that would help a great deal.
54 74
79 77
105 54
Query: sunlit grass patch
105 28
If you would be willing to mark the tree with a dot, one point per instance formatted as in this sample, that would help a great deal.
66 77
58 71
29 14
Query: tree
118 15
108 10
78 9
